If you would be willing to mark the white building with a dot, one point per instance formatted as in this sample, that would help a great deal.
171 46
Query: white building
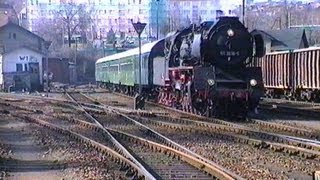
117 14
182 13
21 69
20 58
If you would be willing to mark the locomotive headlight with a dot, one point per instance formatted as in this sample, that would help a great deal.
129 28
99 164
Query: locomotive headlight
211 82
230 32
253 82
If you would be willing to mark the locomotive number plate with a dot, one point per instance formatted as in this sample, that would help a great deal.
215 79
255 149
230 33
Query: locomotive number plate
229 53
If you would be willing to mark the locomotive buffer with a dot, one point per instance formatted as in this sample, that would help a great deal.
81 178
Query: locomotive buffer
139 99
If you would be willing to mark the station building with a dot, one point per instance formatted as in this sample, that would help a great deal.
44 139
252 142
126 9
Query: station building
21 58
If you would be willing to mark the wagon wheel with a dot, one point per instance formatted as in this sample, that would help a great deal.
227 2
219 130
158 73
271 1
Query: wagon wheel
211 109
310 96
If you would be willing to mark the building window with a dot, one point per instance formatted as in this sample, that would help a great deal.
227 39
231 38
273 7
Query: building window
14 36
25 67
19 67
9 35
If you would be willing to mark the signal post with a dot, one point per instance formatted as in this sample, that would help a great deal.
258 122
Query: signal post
139 99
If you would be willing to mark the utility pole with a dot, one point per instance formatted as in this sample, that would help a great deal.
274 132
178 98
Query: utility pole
75 56
244 12
157 19
47 46
103 46
287 9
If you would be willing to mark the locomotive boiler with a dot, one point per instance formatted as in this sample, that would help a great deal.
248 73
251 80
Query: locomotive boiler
208 72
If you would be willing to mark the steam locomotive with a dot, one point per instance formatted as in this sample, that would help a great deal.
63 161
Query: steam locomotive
201 69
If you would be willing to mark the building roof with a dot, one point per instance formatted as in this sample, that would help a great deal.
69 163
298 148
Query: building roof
11 24
286 39
25 47
290 37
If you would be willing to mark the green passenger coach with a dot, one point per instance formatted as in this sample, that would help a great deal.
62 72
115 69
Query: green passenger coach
121 70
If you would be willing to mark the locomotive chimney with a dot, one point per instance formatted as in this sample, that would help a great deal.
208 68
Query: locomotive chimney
219 13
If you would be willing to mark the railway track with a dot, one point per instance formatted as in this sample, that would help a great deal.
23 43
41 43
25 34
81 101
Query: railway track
77 132
254 124
257 126
188 163
223 127
310 104
281 106
205 130
58 152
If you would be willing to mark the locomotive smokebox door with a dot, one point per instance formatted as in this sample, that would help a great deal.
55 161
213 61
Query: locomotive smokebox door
138 102
203 75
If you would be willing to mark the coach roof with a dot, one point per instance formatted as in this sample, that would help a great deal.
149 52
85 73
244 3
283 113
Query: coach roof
144 49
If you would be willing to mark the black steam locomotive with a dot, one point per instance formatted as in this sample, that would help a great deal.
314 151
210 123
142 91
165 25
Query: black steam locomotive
200 69
208 72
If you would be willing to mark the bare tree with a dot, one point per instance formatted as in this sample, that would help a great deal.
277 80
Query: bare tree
51 30
75 17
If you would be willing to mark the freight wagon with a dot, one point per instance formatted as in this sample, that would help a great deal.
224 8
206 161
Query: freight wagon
291 74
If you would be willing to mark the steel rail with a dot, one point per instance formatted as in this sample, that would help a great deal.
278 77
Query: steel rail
120 159
146 173
188 158
178 146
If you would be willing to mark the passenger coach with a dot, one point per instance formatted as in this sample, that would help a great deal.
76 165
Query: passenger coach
120 71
